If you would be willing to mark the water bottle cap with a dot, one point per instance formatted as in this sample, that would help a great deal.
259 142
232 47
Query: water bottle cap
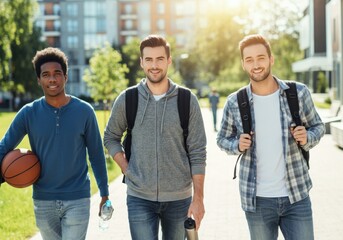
108 203
189 223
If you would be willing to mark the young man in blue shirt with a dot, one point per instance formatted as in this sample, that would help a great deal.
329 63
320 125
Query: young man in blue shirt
61 129
274 177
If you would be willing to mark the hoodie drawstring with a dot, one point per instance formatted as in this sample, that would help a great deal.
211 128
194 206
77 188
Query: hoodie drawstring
146 106
164 110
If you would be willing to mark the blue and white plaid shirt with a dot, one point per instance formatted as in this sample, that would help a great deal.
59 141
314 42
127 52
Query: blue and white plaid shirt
298 181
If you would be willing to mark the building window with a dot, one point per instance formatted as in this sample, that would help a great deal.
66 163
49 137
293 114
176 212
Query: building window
128 9
144 25
72 9
95 25
72 41
93 41
74 75
101 25
57 25
160 8
160 24
57 9
90 25
41 9
128 39
128 24
40 24
185 8
95 8
72 25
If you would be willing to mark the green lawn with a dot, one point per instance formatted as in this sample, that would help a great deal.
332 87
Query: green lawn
17 220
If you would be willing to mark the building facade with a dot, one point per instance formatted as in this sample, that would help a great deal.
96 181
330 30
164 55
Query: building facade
78 27
321 32
334 25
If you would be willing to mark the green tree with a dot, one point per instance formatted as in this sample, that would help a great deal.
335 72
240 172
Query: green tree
216 45
286 51
131 57
23 74
214 59
106 74
16 22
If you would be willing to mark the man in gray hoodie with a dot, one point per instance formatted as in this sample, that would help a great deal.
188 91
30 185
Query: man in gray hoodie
160 175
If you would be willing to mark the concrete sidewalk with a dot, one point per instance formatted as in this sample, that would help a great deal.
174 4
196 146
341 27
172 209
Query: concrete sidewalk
224 218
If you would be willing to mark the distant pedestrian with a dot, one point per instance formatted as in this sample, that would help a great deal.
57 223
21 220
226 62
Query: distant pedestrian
61 129
165 184
274 178
214 100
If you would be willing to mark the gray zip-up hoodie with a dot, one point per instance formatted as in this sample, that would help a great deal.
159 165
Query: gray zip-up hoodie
159 169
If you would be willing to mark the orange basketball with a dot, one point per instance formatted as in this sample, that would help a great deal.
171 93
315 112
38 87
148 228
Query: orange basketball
20 168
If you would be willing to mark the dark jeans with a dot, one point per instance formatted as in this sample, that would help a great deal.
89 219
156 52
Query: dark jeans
144 218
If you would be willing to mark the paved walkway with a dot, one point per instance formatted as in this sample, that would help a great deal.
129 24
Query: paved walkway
224 218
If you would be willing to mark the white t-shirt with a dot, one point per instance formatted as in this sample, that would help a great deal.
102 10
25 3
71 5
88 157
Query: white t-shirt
158 97
271 169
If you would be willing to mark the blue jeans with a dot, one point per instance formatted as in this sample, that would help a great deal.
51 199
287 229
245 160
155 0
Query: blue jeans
144 218
295 220
59 219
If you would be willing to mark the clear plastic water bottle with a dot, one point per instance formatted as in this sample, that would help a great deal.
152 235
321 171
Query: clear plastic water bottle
105 215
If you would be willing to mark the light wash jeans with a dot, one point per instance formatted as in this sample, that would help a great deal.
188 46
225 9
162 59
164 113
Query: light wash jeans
60 219
144 217
295 220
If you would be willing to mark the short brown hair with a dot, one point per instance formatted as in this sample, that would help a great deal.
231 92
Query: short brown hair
50 54
155 41
253 40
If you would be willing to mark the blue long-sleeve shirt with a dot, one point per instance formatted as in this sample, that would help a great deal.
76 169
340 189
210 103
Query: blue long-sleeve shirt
60 137
298 181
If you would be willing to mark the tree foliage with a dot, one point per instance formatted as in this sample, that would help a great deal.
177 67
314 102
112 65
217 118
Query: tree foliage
23 74
16 22
131 57
216 44
106 74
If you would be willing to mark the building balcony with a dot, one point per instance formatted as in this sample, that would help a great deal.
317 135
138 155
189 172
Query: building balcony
128 32
128 16
317 63
52 34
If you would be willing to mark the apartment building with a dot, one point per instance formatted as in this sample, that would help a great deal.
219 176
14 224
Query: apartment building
78 27
313 41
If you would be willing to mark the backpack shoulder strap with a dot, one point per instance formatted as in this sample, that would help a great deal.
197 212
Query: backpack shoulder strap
131 105
183 105
293 102
244 109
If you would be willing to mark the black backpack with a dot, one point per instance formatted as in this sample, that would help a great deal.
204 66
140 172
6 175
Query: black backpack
131 105
293 103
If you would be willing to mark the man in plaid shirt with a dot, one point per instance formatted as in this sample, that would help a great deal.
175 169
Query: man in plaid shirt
274 179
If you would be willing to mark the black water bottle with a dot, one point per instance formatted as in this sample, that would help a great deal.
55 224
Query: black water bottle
191 232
